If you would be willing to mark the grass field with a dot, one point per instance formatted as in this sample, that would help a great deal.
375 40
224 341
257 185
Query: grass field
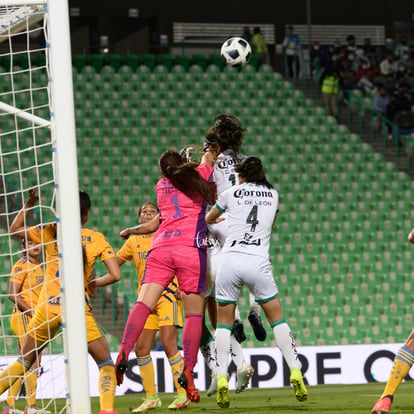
323 399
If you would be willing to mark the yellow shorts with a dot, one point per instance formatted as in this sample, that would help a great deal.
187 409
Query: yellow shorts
47 320
165 313
19 322
92 329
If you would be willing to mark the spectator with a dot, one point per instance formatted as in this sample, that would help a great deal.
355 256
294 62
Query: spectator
404 120
365 75
351 44
348 79
291 46
401 47
260 46
247 35
387 69
330 87
369 49
381 102
315 58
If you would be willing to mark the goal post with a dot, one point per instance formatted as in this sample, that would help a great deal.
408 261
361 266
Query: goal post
37 132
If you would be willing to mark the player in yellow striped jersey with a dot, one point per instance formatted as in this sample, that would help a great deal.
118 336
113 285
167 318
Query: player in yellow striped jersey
166 317
47 317
25 283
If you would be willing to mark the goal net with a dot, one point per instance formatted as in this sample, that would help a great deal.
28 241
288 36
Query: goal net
38 151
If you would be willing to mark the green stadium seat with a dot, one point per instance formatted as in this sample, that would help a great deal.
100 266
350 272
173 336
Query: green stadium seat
148 60
131 60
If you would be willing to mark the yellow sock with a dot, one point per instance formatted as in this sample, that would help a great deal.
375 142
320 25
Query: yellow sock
402 365
10 375
107 386
146 371
14 392
30 381
177 366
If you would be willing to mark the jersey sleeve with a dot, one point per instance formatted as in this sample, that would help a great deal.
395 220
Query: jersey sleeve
125 252
223 200
18 272
35 235
206 171
106 250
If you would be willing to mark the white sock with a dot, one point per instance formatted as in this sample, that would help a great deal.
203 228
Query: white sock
236 353
286 343
254 306
209 353
237 314
223 349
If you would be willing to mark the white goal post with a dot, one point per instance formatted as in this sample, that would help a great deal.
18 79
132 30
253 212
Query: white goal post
57 117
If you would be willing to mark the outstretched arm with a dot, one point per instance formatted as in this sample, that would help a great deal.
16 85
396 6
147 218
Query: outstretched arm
17 227
144 228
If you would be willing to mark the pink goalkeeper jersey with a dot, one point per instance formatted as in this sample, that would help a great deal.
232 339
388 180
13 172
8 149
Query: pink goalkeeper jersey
182 218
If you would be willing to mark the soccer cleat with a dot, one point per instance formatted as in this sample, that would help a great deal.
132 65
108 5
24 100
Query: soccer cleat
296 380
150 403
243 377
212 389
179 402
34 410
257 325
238 331
223 396
108 412
186 380
121 366
10 410
383 405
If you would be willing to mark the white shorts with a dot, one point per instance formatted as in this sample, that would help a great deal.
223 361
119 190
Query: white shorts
240 269
213 260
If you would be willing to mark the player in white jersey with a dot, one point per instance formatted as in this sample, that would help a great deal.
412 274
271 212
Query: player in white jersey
251 210
225 140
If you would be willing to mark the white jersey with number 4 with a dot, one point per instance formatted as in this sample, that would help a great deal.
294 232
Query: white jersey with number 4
251 210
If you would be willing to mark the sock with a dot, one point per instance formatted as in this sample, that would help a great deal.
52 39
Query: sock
191 339
208 350
30 383
403 362
223 333
236 352
134 326
177 367
14 392
286 342
11 374
146 371
237 314
254 306
107 386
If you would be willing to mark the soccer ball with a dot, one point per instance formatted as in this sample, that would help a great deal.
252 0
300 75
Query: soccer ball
236 52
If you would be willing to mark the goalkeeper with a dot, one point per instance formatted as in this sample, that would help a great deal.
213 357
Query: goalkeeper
166 318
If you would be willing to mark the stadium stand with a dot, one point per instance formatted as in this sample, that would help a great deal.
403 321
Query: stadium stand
341 259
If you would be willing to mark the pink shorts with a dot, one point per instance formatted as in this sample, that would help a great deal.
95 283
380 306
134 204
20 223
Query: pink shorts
188 263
